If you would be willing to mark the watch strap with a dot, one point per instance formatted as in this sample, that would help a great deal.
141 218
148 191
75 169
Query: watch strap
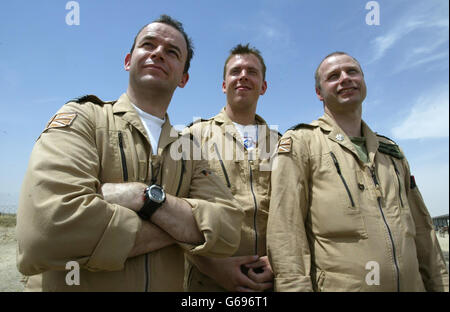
149 207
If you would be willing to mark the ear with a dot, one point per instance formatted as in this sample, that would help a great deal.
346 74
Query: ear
127 62
319 96
263 88
184 80
224 87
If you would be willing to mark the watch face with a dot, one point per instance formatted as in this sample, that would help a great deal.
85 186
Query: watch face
157 194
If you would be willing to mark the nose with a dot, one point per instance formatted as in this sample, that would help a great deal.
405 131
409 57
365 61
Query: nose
158 52
344 77
243 74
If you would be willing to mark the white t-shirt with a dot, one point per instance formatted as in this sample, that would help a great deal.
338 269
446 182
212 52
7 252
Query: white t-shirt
153 125
249 135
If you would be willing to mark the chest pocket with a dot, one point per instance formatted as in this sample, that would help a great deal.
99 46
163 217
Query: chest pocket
114 165
334 211
221 166
398 175
174 174
123 159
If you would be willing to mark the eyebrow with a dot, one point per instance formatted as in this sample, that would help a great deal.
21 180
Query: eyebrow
335 69
150 37
247 67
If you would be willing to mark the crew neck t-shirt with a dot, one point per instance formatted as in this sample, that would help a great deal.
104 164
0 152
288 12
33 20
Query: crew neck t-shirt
153 125
360 145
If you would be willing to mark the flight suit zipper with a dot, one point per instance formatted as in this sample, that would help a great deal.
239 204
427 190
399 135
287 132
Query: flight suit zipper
256 208
338 168
122 156
222 165
377 186
397 173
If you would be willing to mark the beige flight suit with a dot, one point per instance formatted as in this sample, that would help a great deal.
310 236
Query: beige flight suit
338 224
247 174
62 217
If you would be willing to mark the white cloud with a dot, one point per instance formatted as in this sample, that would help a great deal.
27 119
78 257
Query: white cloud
428 117
384 43
432 180
427 22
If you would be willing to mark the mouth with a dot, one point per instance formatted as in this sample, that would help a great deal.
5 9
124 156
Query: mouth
154 66
242 88
347 91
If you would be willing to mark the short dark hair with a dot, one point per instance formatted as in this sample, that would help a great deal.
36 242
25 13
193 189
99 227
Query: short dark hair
245 49
166 19
316 74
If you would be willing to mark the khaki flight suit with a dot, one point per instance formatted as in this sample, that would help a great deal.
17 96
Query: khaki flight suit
62 217
247 174
338 224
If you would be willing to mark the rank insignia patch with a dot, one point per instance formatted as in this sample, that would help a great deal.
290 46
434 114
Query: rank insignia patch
61 120
285 145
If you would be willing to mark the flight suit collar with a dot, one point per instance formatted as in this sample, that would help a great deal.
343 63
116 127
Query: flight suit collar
337 135
168 133
371 141
223 119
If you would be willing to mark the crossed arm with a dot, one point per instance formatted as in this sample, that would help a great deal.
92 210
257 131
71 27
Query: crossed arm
164 228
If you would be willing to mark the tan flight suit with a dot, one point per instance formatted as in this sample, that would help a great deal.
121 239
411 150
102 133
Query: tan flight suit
62 217
247 174
338 224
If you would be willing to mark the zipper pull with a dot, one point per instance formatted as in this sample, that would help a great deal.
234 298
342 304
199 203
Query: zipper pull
375 181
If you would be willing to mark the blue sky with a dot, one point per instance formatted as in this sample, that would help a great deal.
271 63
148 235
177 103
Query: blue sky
45 62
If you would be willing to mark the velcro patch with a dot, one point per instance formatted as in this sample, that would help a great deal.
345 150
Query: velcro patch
285 145
61 120
390 149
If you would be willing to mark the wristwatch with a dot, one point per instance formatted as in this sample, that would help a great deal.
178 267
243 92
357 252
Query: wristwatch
154 197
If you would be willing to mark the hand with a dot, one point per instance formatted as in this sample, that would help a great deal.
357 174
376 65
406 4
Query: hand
129 195
261 272
228 274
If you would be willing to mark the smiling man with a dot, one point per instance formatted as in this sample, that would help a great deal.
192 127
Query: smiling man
345 212
238 144
103 189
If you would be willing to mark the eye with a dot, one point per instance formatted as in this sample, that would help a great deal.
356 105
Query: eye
174 52
147 44
333 76
234 71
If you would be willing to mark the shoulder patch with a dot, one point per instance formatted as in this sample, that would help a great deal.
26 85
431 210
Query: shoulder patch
390 149
301 125
285 145
196 121
88 98
61 120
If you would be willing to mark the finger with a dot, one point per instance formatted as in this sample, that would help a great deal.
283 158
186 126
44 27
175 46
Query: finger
246 259
266 286
256 264
245 281
265 276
